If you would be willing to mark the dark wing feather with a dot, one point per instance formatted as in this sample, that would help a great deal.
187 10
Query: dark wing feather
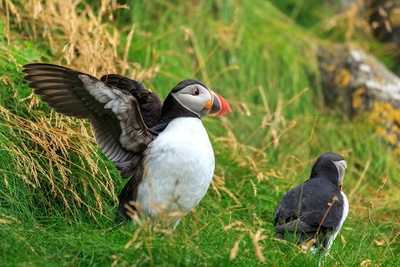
150 104
317 206
113 113
289 217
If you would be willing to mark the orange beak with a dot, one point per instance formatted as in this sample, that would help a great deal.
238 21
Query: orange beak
219 106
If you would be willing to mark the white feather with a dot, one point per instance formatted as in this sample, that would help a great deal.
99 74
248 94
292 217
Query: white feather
178 170
344 216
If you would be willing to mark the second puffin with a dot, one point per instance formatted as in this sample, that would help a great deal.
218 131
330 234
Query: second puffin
162 147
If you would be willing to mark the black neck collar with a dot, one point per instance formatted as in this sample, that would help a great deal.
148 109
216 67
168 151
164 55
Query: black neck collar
171 110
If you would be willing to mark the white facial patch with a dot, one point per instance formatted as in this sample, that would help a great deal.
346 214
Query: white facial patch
194 98
341 166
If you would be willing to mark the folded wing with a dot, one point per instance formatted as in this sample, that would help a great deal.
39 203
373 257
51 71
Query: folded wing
307 209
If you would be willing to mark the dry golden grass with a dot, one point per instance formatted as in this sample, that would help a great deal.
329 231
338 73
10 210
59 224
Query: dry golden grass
43 158
78 36
83 39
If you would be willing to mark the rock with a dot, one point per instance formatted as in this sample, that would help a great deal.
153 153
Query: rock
364 87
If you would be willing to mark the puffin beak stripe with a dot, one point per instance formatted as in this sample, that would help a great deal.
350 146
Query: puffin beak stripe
220 106
209 104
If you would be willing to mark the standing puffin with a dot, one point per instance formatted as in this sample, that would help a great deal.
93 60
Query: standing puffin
316 209
162 147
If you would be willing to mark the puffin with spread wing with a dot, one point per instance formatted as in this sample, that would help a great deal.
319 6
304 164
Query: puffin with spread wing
162 147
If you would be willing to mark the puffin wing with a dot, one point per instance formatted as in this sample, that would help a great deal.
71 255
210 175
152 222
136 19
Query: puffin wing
150 104
324 205
288 214
114 113
314 198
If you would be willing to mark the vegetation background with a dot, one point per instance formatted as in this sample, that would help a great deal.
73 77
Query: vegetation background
58 192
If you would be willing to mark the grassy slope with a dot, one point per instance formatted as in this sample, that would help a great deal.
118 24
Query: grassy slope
57 193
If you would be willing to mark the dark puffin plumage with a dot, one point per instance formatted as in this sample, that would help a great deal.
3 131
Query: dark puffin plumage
150 104
304 212
126 119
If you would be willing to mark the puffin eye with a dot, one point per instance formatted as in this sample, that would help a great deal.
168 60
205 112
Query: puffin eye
197 92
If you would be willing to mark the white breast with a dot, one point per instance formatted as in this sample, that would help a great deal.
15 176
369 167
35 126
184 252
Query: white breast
344 216
178 170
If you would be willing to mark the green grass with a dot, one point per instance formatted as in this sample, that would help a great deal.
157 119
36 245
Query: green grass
58 191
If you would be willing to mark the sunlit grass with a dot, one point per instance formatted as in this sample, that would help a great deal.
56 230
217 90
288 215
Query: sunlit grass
58 192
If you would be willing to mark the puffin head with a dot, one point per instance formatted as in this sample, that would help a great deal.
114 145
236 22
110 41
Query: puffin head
332 166
196 97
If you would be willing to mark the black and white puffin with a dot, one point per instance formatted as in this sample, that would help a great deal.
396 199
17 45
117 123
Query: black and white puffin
316 209
162 147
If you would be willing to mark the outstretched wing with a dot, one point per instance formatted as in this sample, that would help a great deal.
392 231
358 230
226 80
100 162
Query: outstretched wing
114 113
149 103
